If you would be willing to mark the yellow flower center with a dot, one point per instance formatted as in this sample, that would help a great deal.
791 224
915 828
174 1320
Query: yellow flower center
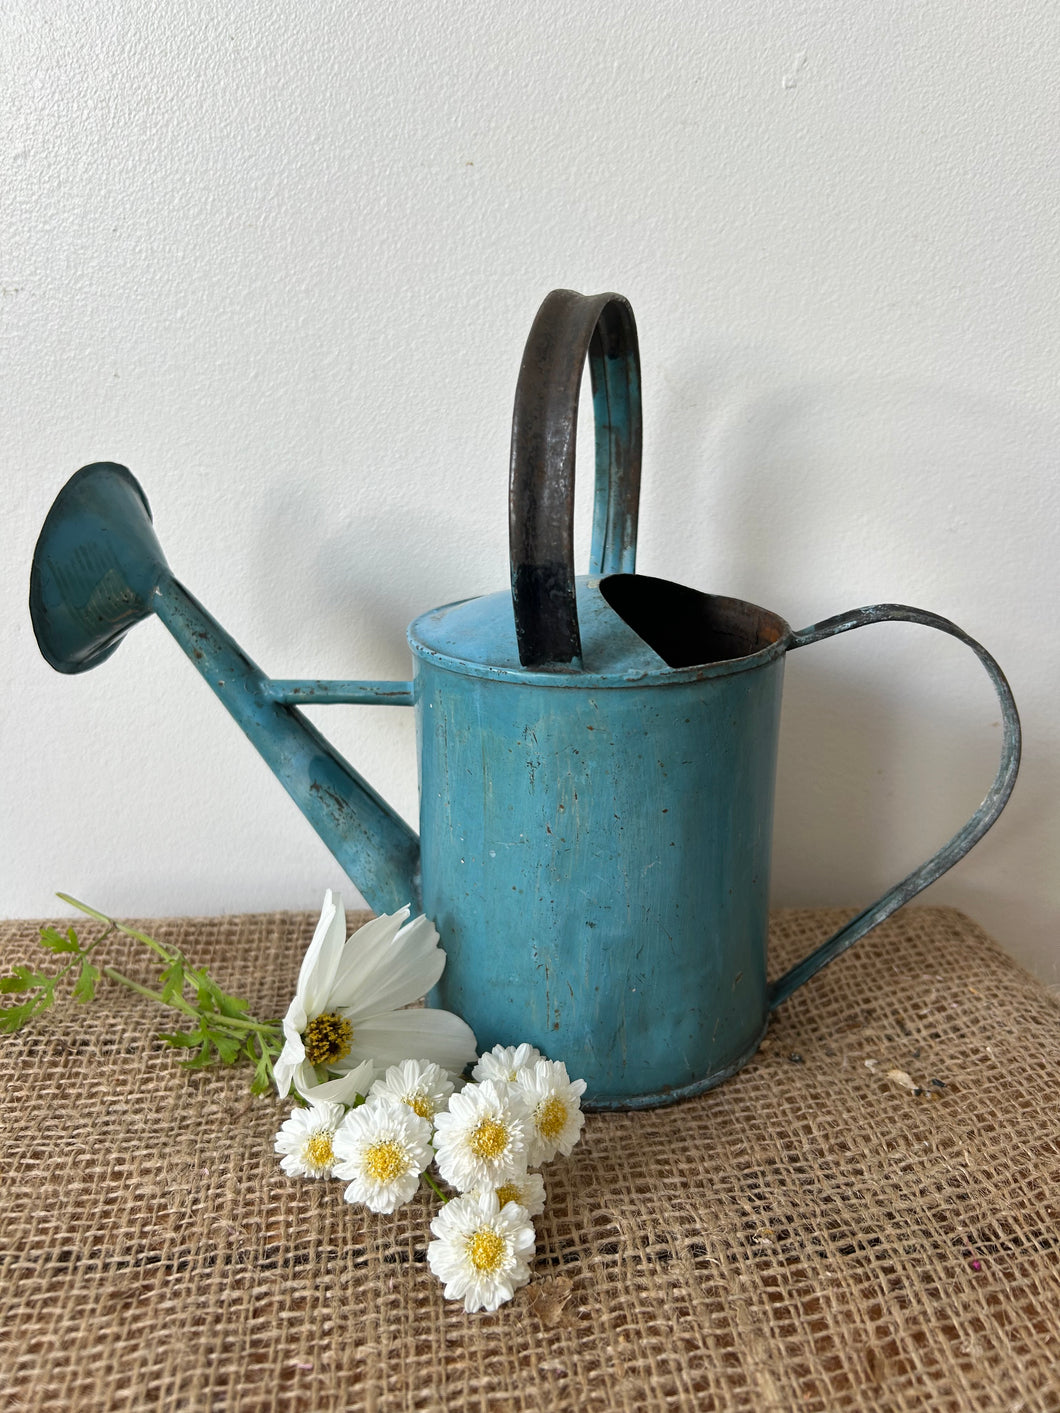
551 1116
420 1103
385 1161
508 1192
327 1038
489 1140
318 1149
485 1250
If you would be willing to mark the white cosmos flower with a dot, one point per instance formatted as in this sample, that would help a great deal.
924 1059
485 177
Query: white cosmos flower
504 1062
481 1139
482 1251
306 1139
382 1149
422 1085
346 1016
554 1102
528 1190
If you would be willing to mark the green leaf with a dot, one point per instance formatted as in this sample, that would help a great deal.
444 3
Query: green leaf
13 1018
205 989
54 940
85 989
227 1048
173 982
231 1005
201 1060
181 1039
23 978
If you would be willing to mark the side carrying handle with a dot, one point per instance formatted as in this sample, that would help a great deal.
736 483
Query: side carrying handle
958 846
569 327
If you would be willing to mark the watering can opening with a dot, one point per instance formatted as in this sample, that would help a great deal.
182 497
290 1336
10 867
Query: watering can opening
687 628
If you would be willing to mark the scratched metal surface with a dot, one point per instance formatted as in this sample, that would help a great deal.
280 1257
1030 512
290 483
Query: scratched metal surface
597 754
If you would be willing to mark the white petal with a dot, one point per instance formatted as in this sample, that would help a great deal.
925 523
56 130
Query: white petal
365 951
283 1073
296 1020
323 955
407 970
287 1064
419 1034
323 1112
343 1089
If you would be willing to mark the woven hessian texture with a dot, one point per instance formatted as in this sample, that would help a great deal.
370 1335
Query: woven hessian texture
813 1235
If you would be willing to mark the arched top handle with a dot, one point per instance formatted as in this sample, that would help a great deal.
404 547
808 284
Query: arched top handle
568 328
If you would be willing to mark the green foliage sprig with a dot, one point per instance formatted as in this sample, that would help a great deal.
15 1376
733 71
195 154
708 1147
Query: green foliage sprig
222 1031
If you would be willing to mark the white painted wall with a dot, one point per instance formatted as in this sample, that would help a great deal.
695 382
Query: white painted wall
281 260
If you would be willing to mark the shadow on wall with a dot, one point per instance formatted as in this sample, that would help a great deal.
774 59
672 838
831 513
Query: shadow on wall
363 576
870 783
883 758
814 497
800 492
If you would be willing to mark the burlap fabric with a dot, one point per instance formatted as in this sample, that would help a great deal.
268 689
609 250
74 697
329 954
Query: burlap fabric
815 1234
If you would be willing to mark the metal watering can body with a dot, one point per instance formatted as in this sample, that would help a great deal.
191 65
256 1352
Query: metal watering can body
597 753
596 857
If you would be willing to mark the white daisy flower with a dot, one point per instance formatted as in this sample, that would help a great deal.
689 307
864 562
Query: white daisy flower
346 1016
481 1139
422 1085
483 1250
504 1062
528 1190
381 1149
307 1140
554 1102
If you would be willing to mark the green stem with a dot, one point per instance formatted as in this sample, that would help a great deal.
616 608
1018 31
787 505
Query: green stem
432 1184
267 1029
112 923
178 1003
263 1029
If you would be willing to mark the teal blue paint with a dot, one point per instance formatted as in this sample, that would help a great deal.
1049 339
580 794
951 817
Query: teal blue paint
596 845
98 569
295 692
596 829
596 858
95 567
373 844
597 841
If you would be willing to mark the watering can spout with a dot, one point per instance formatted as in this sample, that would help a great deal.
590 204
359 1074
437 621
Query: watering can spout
98 569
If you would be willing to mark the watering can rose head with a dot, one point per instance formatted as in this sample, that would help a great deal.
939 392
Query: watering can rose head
347 1018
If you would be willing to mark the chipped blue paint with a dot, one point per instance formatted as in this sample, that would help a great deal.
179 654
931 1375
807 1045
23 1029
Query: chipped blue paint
596 828
596 848
596 858
294 692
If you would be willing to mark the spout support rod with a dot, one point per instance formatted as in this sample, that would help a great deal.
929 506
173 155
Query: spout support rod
319 693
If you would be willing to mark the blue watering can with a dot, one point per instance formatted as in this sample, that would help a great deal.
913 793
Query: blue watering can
597 753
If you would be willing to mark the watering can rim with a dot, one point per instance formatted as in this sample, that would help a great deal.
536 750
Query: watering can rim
423 635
